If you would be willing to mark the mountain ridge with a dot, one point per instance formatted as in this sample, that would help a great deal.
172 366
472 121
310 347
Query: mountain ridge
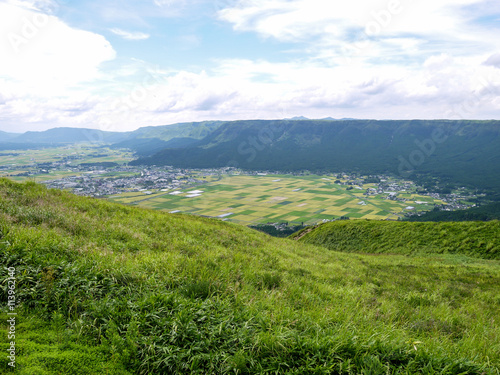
144 141
462 152
5 136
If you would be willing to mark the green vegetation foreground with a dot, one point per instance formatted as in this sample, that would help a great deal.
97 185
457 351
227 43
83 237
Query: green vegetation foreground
109 289
474 239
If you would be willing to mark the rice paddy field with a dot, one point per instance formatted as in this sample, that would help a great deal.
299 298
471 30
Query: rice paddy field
16 162
82 154
258 199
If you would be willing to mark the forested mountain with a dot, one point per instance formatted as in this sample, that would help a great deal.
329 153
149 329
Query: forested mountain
5 137
459 152
149 140
196 130
145 141
68 136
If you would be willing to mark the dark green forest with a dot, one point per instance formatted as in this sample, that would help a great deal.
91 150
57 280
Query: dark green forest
483 213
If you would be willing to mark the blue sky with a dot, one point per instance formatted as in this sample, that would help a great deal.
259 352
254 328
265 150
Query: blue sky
119 65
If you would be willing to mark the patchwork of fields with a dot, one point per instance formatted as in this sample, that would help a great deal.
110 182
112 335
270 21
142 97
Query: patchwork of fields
262 199
18 162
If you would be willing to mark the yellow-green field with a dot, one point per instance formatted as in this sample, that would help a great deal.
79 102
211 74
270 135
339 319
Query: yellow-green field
86 154
262 199
22 161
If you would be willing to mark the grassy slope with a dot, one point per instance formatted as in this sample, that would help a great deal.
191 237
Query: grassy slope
475 239
109 289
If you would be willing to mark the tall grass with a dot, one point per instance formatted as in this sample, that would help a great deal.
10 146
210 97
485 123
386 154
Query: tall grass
474 239
109 289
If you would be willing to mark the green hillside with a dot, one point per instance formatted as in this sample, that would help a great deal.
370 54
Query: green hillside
151 139
145 141
4 136
103 288
197 130
457 152
68 136
474 239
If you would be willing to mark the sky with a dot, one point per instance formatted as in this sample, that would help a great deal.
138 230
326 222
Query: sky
118 65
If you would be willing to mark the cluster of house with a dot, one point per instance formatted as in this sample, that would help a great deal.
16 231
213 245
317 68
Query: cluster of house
112 181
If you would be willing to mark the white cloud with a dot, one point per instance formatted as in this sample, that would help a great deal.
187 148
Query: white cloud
430 60
43 55
441 87
40 5
43 60
340 26
493 60
130 35
167 3
285 19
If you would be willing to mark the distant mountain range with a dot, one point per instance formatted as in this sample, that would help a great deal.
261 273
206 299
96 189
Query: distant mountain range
456 152
7 136
300 118
61 136
148 140
145 141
